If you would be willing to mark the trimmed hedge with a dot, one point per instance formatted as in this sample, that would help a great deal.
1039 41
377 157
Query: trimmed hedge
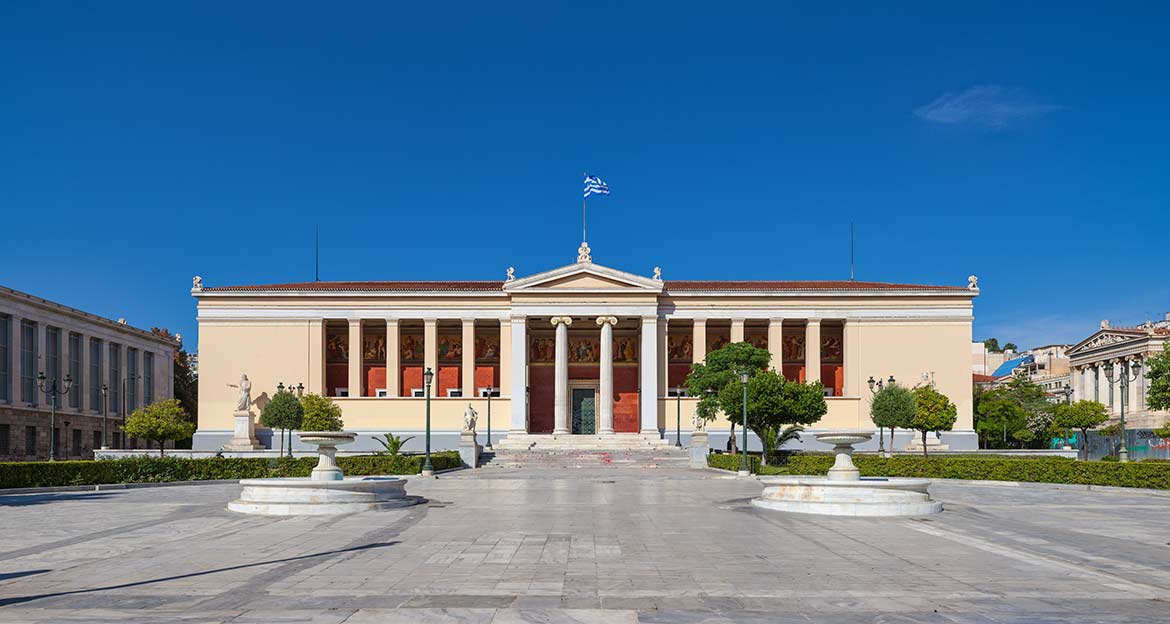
1040 470
164 469
727 461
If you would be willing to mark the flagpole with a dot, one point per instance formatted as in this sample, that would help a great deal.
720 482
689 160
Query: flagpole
584 213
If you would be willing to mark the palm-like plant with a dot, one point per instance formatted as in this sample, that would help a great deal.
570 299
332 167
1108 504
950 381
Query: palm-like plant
773 439
392 443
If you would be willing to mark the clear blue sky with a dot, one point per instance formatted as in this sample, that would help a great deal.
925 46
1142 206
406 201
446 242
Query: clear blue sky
143 143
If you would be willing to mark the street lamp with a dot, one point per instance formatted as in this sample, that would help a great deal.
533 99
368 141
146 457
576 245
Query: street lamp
52 391
1123 378
105 415
427 469
881 434
678 416
489 408
743 462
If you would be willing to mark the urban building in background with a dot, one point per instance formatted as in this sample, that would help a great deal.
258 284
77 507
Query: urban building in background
99 371
1109 367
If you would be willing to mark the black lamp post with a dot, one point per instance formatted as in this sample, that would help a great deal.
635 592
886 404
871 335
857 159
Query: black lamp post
678 416
427 469
881 433
49 387
1123 377
105 415
489 410
743 462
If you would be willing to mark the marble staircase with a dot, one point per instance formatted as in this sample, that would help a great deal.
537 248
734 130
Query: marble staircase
535 451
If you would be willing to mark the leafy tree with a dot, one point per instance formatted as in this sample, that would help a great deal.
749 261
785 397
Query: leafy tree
160 421
772 438
992 344
1158 372
1010 346
716 380
283 411
1023 435
1163 431
1082 415
933 411
774 402
392 443
1109 433
1031 398
995 415
893 407
320 414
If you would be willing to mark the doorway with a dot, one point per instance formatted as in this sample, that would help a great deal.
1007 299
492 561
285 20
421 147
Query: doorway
583 407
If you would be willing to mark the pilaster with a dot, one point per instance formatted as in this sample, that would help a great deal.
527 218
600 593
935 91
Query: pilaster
393 353
648 364
699 341
812 350
518 382
776 343
467 366
355 358
737 330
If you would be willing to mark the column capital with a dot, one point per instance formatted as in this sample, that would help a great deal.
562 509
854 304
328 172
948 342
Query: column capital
391 321
610 320
813 321
561 320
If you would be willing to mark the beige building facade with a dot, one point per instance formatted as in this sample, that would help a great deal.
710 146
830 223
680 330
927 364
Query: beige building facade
114 369
580 349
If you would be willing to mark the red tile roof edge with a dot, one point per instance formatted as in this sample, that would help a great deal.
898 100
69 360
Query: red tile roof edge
668 286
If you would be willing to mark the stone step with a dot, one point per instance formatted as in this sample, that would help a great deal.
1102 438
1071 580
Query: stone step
581 458
619 441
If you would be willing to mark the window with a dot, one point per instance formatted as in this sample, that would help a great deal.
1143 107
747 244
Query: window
483 392
30 441
77 441
5 448
131 379
97 440
381 393
454 393
28 362
417 393
95 374
75 371
147 378
115 391
5 359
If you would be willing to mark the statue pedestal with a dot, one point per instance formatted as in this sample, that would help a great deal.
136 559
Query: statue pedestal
699 449
244 437
469 449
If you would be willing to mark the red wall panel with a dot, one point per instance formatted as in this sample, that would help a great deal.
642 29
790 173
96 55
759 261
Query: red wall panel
625 396
447 378
794 372
336 376
487 375
677 374
833 376
375 378
412 377
540 398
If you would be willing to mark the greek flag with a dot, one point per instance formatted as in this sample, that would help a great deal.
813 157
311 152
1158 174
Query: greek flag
594 186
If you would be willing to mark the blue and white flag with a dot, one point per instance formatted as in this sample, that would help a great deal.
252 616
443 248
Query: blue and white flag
594 186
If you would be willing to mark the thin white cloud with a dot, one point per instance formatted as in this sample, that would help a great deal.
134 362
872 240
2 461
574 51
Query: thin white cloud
990 106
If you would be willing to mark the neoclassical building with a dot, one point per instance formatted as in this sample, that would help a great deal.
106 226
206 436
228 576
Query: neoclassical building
580 349
1126 349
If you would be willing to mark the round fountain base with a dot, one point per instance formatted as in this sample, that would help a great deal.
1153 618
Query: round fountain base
309 497
866 497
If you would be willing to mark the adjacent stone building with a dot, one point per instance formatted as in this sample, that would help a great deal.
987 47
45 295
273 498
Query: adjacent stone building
1126 349
114 369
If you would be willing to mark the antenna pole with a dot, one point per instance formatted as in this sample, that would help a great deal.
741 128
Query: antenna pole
317 253
851 256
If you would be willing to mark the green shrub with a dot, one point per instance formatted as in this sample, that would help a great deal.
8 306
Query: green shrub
320 414
164 469
727 461
1047 470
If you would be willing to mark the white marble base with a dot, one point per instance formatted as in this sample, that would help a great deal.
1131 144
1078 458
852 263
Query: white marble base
699 450
867 497
306 497
244 433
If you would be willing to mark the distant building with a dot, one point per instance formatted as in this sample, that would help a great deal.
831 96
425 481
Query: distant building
38 336
1123 347
985 361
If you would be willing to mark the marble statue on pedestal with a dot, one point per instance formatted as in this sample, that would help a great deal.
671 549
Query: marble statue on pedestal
469 447
244 434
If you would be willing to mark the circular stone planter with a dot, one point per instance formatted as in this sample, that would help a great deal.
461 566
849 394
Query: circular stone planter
843 492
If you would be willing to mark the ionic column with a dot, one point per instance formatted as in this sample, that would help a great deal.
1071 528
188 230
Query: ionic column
517 383
605 402
648 367
776 344
393 355
699 341
467 366
561 394
737 330
355 358
812 351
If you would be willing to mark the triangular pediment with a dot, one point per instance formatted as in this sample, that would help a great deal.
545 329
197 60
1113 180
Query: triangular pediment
585 277
1104 338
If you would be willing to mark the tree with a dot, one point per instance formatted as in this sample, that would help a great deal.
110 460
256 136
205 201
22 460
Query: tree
933 411
1082 415
1010 346
283 411
992 344
1158 372
713 381
160 421
995 415
893 407
1030 398
320 414
774 402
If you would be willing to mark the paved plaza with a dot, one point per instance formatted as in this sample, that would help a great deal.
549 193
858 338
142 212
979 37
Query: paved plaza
607 546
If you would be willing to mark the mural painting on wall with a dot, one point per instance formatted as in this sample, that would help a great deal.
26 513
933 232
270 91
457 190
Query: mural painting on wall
411 349
831 348
337 347
450 347
487 349
793 348
542 349
625 349
716 342
374 347
584 350
759 341
680 348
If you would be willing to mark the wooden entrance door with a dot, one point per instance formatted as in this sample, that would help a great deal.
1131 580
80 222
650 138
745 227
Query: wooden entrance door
583 402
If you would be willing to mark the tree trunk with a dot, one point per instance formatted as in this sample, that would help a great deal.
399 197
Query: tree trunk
160 449
891 449
924 443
